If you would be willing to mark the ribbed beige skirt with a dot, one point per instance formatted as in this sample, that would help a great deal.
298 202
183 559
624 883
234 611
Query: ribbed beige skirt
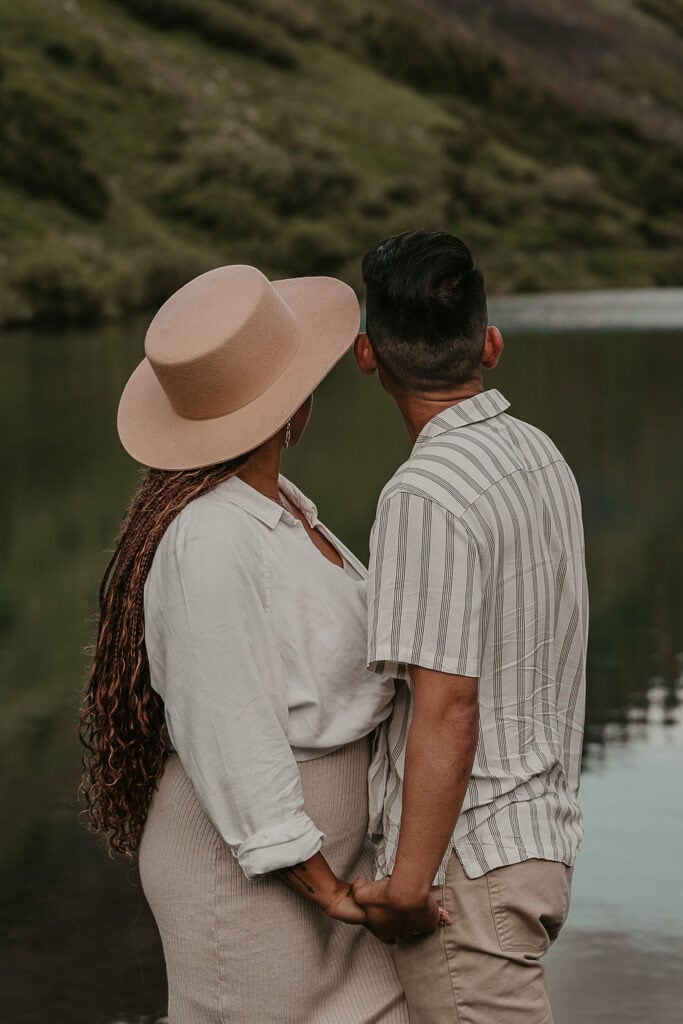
254 952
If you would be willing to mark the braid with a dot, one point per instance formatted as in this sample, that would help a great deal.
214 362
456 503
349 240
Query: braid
122 718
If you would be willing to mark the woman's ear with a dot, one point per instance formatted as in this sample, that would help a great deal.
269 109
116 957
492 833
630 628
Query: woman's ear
493 348
365 355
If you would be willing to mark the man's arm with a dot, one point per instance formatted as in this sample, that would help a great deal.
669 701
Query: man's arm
441 746
440 751
429 556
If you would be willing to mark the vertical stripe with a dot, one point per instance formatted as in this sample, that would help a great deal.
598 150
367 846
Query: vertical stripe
425 552
467 616
446 594
400 576
375 579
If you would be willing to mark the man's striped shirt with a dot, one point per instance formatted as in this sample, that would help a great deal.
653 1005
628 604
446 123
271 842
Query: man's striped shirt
477 568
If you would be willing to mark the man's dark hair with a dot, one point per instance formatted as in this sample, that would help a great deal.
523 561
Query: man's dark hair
426 314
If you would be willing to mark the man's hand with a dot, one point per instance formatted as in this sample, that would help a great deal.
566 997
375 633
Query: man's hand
396 921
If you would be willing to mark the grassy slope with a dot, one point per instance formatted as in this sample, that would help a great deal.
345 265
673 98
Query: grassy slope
133 155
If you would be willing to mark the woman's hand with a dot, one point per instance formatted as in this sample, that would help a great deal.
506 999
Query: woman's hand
344 908
316 882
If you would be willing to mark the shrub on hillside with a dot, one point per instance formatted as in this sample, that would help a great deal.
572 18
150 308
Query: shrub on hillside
75 280
310 249
573 188
405 46
667 268
668 11
297 18
89 55
39 154
472 192
405 192
235 193
60 53
308 184
216 206
660 180
528 115
65 282
97 63
585 230
218 24
373 208
153 274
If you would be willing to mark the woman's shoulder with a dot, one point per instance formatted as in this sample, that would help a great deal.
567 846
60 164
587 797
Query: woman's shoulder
211 547
212 520
220 505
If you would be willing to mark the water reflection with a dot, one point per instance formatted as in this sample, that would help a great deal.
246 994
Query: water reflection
657 721
76 919
623 944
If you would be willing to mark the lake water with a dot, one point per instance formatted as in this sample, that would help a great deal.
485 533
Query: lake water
78 944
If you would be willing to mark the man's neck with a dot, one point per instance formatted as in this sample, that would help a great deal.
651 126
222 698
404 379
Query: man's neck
418 408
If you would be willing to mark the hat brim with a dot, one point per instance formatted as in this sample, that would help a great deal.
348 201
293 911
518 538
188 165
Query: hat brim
156 436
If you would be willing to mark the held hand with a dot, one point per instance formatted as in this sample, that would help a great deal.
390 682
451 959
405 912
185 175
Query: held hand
344 908
397 922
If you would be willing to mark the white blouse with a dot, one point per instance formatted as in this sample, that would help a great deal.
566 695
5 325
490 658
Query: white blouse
257 646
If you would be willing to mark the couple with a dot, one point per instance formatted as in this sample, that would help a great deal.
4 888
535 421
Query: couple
257 697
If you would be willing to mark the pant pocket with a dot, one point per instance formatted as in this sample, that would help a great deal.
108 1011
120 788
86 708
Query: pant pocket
529 904
553 924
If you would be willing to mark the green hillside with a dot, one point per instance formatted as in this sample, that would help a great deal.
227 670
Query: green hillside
143 141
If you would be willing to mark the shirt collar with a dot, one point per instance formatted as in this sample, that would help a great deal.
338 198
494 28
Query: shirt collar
298 498
472 410
239 493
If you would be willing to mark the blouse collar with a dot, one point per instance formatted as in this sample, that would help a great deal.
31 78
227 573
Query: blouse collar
246 497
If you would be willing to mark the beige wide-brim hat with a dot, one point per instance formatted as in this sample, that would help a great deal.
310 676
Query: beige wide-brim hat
228 359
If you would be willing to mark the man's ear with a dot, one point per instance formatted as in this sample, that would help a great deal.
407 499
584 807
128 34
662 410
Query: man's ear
365 355
493 348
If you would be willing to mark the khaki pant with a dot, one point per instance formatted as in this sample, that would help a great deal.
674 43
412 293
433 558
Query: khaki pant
486 968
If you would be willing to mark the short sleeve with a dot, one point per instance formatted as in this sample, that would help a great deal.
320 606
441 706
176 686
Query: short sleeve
214 660
424 589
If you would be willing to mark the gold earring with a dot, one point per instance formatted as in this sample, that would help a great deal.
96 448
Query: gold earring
288 433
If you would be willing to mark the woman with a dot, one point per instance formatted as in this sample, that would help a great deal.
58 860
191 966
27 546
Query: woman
228 716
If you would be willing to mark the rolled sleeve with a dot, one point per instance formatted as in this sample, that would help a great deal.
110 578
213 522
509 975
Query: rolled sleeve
424 589
279 847
215 662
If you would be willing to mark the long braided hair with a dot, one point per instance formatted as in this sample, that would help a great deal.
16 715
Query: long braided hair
122 718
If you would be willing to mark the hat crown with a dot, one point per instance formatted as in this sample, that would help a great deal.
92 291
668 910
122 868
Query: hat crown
221 341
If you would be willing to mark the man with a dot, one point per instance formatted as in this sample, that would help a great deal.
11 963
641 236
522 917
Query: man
477 600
